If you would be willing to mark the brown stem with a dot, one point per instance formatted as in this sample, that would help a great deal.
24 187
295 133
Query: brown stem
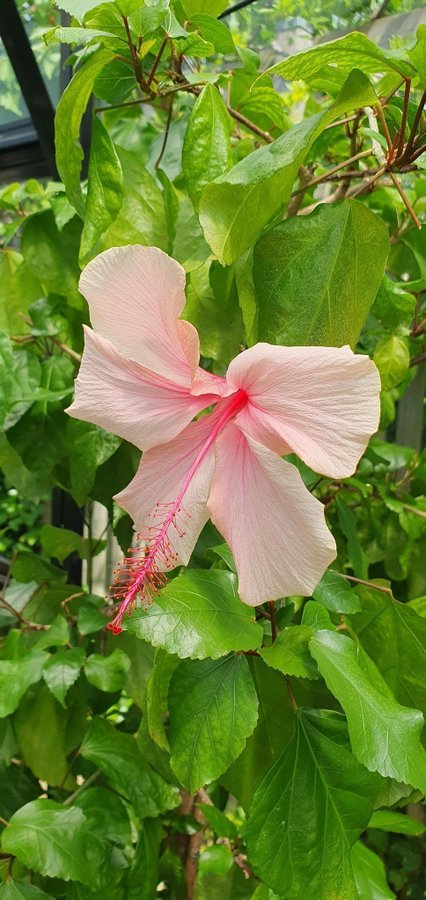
31 626
157 60
404 118
414 126
405 199
333 170
418 153
376 587
384 123
250 125
65 349
166 133
417 360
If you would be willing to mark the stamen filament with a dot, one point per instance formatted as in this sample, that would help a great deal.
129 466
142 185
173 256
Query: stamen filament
144 575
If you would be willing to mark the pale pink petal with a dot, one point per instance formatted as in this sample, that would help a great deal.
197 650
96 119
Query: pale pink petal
322 403
274 527
129 400
205 382
135 296
156 486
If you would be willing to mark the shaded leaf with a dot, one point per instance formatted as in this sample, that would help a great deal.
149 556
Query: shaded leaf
107 673
62 670
16 676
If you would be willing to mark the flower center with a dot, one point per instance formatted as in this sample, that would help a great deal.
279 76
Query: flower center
141 574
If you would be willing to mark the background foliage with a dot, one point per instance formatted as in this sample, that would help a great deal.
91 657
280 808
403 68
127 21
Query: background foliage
271 757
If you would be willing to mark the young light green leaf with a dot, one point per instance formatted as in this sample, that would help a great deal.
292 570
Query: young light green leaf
78 8
206 149
290 652
105 189
81 36
16 676
395 637
107 673
385 736
69 113
62 670
116 754
198 614
213 710
53 840
396 822
392 358
335 594
141 219
350 51
370 875
19 381
309 810
418 55
21 890
235 208
212 7
316 276
18 289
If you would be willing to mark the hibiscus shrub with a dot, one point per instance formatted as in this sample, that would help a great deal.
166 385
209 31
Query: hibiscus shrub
241 716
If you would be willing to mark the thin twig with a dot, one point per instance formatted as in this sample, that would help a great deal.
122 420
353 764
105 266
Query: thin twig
417 360
405 199
414 126
401 141
332 171
417 512
65 349
166 133
384 124
371 584
157 60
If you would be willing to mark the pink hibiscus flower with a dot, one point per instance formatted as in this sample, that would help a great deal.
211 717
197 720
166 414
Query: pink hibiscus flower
140 379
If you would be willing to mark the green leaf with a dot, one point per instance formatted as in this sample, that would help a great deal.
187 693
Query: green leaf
17 786
53 840
213 710
143 876
309 810
393 305
157 694
19 382
234 208
16 676
334 593
62 670
385 736
106 813
315 615
56 635
198 614
316 276
61 542
82 36
394 635
214 31
52 255
69 113
117 756
370 875
105 189
354 49
40 726
18 289
392 358
78 8
290 652
89 448
212 7
20 890
141 219
206 149
115 82
218 821
348 524
396 822
89 617
107 673
273 730
212 307
418 55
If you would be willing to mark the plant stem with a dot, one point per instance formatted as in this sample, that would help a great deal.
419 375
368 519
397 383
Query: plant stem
271 607
414 126
371 584
384 123
325 175
157 60
401 141
166 133
405 200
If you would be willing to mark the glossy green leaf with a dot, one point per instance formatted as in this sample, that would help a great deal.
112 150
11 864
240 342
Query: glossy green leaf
52 839
62 670
370 876
334 592
115 82
212 7
212 307
393 305
214 31
392 358
206 151
309 810
157 693
61 542
143 876
20 890
198 614
52 255
316 276
395 637
106 813
234 209
348 524
273 730
16 676
89 617
391 820
90 447
351 50
290 652
213 710
107 673
141 219
105 189
385 736
418 55
19 382
69 113
117 756
18 289
77 8
40 727
81 36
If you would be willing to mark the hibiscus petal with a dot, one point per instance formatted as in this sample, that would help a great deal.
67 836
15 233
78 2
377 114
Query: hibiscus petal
135 295
150 495
322 403
128 399
274 527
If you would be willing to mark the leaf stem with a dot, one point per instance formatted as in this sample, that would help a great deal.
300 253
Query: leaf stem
317 180
371 584
157 60
405 199
414 126
401 141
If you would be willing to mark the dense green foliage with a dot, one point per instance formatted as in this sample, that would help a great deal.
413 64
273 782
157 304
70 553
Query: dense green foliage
213 750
